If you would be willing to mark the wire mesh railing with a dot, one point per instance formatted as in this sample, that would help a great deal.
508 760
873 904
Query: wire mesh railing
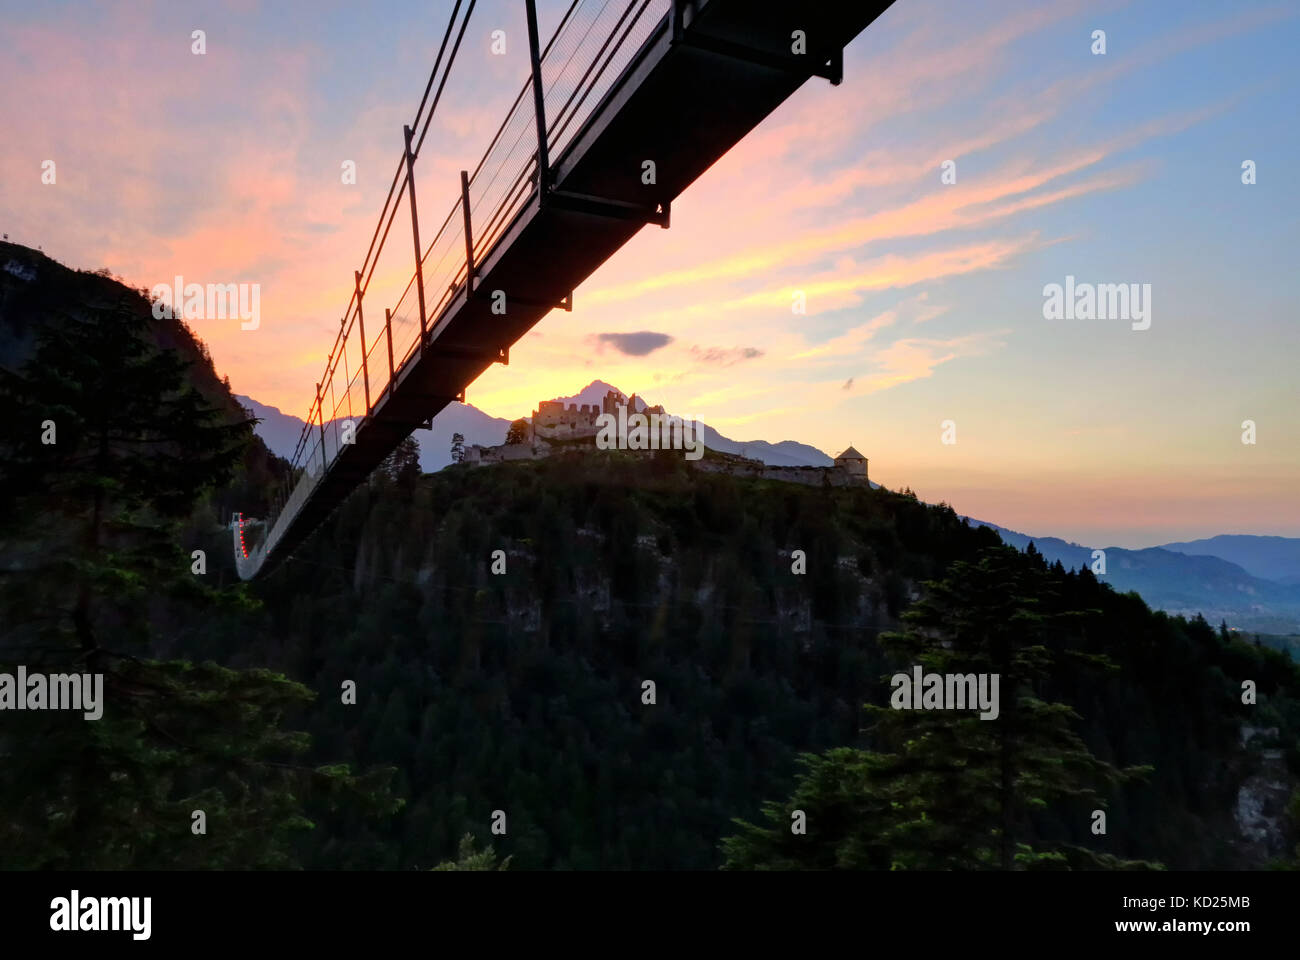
591 47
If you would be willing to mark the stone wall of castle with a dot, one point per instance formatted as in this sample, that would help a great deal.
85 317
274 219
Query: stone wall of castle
553 420
810 476
531 449
559 421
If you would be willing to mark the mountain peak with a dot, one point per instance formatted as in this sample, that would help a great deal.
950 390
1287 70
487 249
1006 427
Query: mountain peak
592 393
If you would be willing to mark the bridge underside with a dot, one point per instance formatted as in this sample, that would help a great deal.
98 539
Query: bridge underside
704 79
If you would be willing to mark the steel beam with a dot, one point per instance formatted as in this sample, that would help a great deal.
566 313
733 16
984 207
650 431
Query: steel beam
539 102
500 355
469 236
831 67
617 209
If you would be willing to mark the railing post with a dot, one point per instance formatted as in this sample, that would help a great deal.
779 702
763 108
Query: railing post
320 422
539 104
388 327
361 328
469 236
343 355
415 232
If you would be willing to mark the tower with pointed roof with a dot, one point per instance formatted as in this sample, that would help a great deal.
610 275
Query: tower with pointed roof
852 463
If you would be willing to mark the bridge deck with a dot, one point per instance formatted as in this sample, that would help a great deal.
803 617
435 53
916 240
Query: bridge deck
689 94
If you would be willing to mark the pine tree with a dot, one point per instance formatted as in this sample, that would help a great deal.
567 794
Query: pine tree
105 445
841 799
402 466
518 432
467 858
188 766
973 783
946 789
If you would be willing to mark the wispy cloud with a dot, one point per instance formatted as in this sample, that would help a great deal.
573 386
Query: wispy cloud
725 356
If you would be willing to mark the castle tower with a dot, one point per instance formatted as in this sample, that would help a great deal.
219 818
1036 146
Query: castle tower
852 463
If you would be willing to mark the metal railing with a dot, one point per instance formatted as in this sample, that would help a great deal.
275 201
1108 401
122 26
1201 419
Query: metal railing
594 42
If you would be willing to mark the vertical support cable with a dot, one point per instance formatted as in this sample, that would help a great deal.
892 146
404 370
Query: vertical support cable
415 233
361 328
469 237
539 105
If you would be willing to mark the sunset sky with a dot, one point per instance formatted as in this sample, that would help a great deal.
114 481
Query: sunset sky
924 299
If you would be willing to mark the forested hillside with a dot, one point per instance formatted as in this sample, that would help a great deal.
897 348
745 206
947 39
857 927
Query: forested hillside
117 444
522 691
451 645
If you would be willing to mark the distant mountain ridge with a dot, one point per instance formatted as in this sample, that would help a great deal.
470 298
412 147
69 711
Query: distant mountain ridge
1179 582
280 432
1269 558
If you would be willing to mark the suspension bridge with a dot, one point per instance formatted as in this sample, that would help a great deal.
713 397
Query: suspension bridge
625 106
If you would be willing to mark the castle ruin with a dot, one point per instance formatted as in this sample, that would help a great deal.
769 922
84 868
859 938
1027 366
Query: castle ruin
554 420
